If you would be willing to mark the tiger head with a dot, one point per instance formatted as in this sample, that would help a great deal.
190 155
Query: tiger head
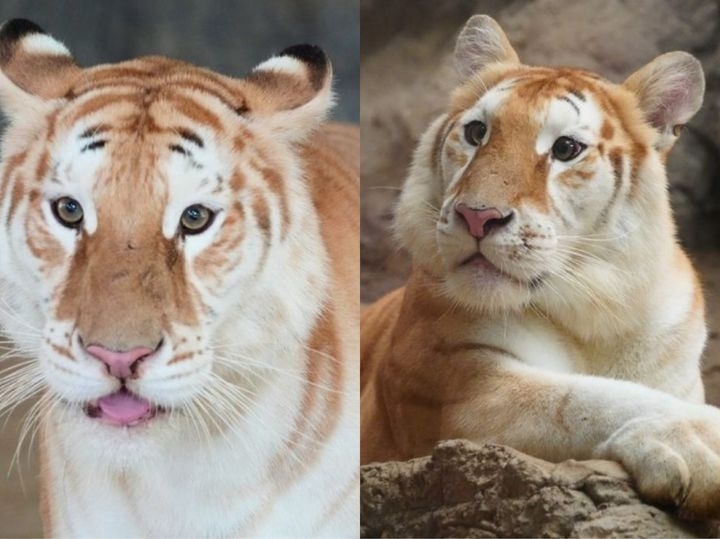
155 227
545 186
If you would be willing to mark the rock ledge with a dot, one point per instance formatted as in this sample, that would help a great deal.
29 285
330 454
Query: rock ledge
465 490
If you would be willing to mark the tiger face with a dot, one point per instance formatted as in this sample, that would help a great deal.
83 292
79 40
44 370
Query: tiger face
154 217
537 177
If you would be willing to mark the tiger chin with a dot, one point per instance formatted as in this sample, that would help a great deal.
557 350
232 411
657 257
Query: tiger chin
550 307
174 264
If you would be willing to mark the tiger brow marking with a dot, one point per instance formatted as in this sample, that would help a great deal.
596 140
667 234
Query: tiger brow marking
92 131
219 184
572 104
96 145
191 137
578 94
179 149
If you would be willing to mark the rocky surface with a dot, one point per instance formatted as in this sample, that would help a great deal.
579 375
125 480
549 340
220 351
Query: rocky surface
464 490
407 72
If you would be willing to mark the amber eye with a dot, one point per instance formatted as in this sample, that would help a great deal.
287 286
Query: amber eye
68 212
475 132
566 148
196 219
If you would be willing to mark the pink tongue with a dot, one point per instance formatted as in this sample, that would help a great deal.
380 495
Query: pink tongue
123 408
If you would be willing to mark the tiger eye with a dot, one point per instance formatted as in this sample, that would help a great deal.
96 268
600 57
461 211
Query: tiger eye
475 132
196 219
68 211
566 148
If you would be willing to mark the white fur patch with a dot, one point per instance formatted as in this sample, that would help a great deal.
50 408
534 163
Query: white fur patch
284 64
561 119
43 44
487 105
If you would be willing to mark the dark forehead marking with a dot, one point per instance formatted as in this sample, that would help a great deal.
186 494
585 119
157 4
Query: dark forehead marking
95 130
95 145
572 104
179 149
190 136
577 93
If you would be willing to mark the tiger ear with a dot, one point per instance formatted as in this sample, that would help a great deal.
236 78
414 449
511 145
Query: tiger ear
291 92
670 91
482 42
34 67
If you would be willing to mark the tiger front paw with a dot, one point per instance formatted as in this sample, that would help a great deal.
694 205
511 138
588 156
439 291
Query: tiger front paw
673 460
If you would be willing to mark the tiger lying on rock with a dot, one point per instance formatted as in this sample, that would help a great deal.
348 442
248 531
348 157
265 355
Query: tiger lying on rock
178 256
550 307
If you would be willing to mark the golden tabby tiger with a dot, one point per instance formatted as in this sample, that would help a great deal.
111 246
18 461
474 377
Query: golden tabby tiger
550 307
178 252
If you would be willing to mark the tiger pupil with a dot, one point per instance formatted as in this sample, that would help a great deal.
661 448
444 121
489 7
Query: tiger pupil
196 219
474 132
68 211
565 148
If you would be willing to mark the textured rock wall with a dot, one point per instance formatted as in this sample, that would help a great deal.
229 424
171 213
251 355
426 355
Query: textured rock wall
407 73
464 490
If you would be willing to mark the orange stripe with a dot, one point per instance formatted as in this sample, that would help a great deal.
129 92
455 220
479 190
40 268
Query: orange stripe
352 487
320 407
181 357
191 109
98 103
275 182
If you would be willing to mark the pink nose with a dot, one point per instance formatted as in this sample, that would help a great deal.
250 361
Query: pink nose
119 364
480 222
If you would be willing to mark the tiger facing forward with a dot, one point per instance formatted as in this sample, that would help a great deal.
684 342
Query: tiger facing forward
550 307
179 255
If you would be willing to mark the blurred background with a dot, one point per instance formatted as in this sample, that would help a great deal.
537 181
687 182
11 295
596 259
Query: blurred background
229 36
407 74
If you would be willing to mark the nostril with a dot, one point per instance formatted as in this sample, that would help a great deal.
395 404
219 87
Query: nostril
134 365
121 364
481 221
498 223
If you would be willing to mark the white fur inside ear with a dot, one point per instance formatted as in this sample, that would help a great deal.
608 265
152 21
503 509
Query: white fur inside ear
283 64
482 42
43 44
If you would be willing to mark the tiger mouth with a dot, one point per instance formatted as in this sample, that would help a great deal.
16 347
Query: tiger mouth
123 409
481 264
479 260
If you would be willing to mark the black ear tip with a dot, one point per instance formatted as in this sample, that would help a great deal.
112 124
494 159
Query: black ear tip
310 54
14 29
